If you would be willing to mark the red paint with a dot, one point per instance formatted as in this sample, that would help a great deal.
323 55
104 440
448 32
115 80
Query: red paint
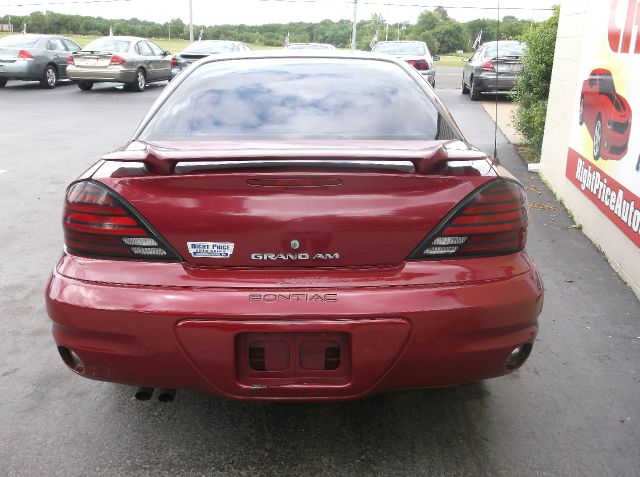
616 34
602 103
369 321
614 200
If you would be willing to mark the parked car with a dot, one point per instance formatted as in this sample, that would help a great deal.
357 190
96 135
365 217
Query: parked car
494 68
606 114
309 46
30 57
133 61
267 235
201 49
416 53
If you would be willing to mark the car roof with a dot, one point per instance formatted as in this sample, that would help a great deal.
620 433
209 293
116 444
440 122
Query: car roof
503 42
399 41
122 37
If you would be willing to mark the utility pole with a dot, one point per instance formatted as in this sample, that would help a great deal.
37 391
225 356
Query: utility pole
190 21
355 19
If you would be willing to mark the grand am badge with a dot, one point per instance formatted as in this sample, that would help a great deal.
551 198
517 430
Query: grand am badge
210 249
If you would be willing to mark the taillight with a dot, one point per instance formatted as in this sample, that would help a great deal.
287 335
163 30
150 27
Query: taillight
98 224
174 61
419 64
117 60
492 221
25 55
487 66
70 60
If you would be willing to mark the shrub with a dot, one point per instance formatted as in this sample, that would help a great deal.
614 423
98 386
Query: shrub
532 89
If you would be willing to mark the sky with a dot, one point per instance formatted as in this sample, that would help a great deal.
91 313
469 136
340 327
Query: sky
255 12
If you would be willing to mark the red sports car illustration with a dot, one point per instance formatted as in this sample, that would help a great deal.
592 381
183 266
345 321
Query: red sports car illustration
606 114
266 234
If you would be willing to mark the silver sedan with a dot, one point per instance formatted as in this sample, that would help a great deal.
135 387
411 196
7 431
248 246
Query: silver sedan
120 59
40 58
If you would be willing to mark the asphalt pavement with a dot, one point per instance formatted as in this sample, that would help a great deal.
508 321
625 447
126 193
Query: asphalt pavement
573 409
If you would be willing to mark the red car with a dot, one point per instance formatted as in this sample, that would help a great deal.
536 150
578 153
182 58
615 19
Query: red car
606 114
295 228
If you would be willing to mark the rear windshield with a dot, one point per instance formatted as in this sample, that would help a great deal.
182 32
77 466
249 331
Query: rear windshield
209 48
314 98
108 44
400 48
18 41
309 46
504 49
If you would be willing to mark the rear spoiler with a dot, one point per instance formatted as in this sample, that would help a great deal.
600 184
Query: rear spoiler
425 161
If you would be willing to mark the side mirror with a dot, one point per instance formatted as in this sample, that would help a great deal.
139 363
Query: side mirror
436 57
466 59
166 53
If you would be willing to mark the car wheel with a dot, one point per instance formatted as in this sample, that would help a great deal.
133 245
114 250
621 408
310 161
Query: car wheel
581 112
465 90
49 77
474 92
3 82
140 83
85 85
597 138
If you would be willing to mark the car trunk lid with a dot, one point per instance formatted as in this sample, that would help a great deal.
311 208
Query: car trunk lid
98 59
303 206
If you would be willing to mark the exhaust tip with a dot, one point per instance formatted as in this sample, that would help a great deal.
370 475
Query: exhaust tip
166 395
518 356
71 359
143 394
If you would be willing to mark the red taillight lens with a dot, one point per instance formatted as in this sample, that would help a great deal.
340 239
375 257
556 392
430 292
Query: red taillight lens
70 60
117 60
98 224
25 55
492 221
419 64
174 61
487 66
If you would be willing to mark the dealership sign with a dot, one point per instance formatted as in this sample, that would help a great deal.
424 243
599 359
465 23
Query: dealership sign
603 160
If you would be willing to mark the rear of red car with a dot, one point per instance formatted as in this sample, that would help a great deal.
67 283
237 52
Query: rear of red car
267 235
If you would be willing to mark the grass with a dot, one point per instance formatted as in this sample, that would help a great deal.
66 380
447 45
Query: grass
453 60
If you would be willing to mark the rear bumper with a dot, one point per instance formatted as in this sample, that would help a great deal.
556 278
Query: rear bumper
489 82
23 70
394 336
114 74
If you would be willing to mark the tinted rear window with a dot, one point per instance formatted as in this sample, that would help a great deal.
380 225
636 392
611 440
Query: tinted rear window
108 44
401 48
504 49
294 98
207 48
18 41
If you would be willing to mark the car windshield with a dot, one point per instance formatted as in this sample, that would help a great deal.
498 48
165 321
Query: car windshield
401 48
209 48
18 41
296 98
308 46
108 44
606 85
504 49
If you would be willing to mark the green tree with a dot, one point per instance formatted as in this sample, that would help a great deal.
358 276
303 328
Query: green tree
532 89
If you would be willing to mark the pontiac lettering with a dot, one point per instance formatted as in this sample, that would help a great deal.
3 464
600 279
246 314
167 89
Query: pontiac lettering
289 297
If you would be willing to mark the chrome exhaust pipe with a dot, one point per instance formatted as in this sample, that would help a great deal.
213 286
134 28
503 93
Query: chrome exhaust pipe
143 394
166 395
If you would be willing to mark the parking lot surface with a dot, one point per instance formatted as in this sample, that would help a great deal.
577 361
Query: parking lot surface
573 409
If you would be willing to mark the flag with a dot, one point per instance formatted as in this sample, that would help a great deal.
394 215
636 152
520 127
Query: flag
201 30
110 31
374 40
24 28
286 39
476 43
